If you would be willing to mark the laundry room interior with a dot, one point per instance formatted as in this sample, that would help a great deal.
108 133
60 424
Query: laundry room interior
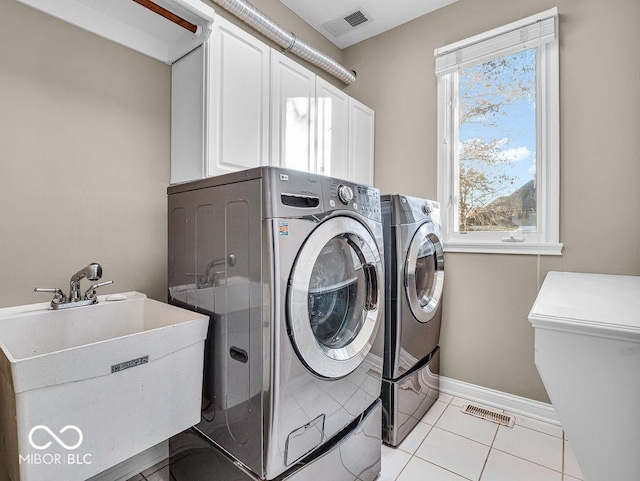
346 240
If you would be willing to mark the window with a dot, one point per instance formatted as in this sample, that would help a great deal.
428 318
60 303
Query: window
498 149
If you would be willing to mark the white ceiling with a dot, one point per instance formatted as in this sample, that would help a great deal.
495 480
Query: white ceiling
384 15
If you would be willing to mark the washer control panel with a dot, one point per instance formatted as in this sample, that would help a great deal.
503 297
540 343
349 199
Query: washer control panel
345 194
358 198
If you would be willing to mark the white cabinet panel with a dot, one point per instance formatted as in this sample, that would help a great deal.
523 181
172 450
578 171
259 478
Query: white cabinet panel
187 117
332 130
237 104
238 100
292 114
220 106
361 138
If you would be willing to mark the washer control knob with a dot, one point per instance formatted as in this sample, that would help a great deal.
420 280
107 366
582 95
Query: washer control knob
426 209
345 194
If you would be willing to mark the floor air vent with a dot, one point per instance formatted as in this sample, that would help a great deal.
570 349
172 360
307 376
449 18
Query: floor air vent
346 23
489 415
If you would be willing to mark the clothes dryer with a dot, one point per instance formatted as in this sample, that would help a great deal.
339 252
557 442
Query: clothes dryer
414 265
289 267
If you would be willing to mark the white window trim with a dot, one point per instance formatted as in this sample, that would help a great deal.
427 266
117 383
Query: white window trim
546 240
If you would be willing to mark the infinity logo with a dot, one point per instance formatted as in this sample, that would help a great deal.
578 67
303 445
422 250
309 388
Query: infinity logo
58 440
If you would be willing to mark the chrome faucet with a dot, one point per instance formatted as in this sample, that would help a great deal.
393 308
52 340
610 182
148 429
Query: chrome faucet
92 272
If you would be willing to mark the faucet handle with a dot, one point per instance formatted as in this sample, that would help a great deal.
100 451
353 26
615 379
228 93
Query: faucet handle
91 292
59 297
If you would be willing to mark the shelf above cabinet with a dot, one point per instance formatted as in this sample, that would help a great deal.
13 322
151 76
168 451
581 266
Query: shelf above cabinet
163 29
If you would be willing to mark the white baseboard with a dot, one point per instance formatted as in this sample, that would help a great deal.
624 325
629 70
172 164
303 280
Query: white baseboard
500 400
134 465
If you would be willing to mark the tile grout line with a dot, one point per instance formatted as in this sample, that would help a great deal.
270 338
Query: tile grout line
540 432
460 435
491 446
486 460
448 470
403 467
412 455
430 430
528 460
495 436
536 430
469 401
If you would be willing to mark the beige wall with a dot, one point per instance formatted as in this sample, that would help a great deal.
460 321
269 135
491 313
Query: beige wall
486 339
84 159
84 155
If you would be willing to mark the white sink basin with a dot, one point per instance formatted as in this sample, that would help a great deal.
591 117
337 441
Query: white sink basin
587 329
125 374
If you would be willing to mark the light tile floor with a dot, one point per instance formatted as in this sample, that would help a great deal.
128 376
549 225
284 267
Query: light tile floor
448 445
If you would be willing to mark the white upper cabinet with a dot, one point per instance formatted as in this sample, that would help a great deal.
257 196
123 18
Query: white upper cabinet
361 140
293 89
332 130
238 110
220 106
238 104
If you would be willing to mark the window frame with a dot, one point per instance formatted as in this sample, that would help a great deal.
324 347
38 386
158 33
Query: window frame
545 240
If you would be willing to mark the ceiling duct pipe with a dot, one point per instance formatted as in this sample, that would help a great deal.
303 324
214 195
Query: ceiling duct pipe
287 40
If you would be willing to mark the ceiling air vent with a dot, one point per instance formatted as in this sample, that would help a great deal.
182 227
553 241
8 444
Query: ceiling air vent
346 23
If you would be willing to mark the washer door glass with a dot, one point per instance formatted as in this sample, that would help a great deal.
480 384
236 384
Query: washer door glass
337 292
424 273
333 297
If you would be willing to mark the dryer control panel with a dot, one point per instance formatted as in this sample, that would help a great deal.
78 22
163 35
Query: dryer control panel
411 210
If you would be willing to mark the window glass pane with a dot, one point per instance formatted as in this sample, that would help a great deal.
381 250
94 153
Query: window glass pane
497 145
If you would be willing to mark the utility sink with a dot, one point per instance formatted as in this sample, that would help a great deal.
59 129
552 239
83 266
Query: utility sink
85 388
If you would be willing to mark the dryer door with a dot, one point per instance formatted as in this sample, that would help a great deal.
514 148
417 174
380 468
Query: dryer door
424 273
333 296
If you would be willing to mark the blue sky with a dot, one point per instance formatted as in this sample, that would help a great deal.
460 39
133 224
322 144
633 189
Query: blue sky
516 128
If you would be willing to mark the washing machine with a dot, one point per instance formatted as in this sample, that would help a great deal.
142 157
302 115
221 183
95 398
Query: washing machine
289 267
414 265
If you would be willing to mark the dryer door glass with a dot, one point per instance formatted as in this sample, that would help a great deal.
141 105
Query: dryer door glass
333 297
424 273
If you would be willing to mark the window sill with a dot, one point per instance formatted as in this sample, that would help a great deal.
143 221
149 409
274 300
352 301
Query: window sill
550 249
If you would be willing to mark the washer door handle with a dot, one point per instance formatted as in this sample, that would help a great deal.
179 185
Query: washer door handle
371 303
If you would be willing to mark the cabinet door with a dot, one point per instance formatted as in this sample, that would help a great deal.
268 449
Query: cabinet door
332 130
238 110
361 138
292 114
